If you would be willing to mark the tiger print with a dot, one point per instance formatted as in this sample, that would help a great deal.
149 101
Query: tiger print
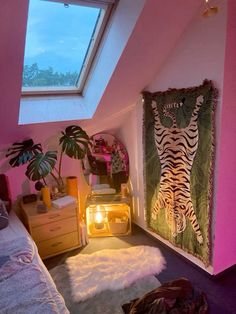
176 148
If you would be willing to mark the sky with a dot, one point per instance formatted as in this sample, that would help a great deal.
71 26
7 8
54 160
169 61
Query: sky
58 36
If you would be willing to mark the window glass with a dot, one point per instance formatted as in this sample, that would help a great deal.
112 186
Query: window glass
57 42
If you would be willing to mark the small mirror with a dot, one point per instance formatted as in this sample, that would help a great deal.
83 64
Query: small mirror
107 162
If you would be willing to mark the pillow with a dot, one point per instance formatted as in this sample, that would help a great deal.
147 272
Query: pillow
3 215
5 191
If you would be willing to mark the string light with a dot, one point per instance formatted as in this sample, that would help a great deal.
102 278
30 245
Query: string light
210 10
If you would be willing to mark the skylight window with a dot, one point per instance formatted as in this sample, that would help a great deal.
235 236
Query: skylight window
61 42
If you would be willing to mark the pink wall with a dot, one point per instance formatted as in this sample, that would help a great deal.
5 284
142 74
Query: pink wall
132 74
13 16
225 226
12 32
199 54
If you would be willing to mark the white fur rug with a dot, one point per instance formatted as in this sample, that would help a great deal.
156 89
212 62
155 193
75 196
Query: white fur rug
91 274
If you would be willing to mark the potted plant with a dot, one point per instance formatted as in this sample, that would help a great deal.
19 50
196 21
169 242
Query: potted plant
74 142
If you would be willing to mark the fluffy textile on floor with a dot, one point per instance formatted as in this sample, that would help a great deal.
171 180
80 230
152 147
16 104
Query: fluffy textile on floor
111 269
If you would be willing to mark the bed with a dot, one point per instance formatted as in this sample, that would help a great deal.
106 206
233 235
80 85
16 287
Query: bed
25 284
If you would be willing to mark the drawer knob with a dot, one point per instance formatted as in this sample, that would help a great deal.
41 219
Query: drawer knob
56 244
55 229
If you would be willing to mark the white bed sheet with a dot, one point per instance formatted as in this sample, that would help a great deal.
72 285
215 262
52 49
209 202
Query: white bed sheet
15 230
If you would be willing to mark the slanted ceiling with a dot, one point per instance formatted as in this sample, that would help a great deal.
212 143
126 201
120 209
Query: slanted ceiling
158 29
154 36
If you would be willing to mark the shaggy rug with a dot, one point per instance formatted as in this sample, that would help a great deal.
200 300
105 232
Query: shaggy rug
90 274
106 302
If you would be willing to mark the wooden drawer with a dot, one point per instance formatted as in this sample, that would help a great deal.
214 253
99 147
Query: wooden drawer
57 245
52 215
54 229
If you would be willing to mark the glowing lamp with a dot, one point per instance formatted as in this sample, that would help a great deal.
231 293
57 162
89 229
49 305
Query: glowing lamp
210 10
108 219
98 220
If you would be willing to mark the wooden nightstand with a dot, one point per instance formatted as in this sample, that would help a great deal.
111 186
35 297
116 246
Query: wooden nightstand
55 231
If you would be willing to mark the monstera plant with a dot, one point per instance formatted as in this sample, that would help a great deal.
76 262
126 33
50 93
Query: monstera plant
74 143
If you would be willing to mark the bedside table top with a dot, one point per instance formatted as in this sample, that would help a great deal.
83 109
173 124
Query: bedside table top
31 211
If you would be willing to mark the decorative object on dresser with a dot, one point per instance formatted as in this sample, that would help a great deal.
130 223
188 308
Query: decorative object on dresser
72 186
46 196
29 198
55 231
64 201
74 143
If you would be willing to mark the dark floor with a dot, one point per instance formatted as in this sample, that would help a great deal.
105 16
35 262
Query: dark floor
220 290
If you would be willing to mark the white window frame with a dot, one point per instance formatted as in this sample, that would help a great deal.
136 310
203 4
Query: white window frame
106 7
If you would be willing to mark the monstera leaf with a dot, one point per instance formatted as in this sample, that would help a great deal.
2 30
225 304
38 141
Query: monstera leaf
41 165
74 142
23 152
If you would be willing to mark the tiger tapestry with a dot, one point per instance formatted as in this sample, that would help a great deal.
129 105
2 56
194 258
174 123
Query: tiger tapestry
178 165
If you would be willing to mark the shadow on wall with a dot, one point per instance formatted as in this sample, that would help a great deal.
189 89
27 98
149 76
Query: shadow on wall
26 187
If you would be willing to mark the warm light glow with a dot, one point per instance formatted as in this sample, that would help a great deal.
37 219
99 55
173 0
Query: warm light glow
98 217
108 219
209 11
